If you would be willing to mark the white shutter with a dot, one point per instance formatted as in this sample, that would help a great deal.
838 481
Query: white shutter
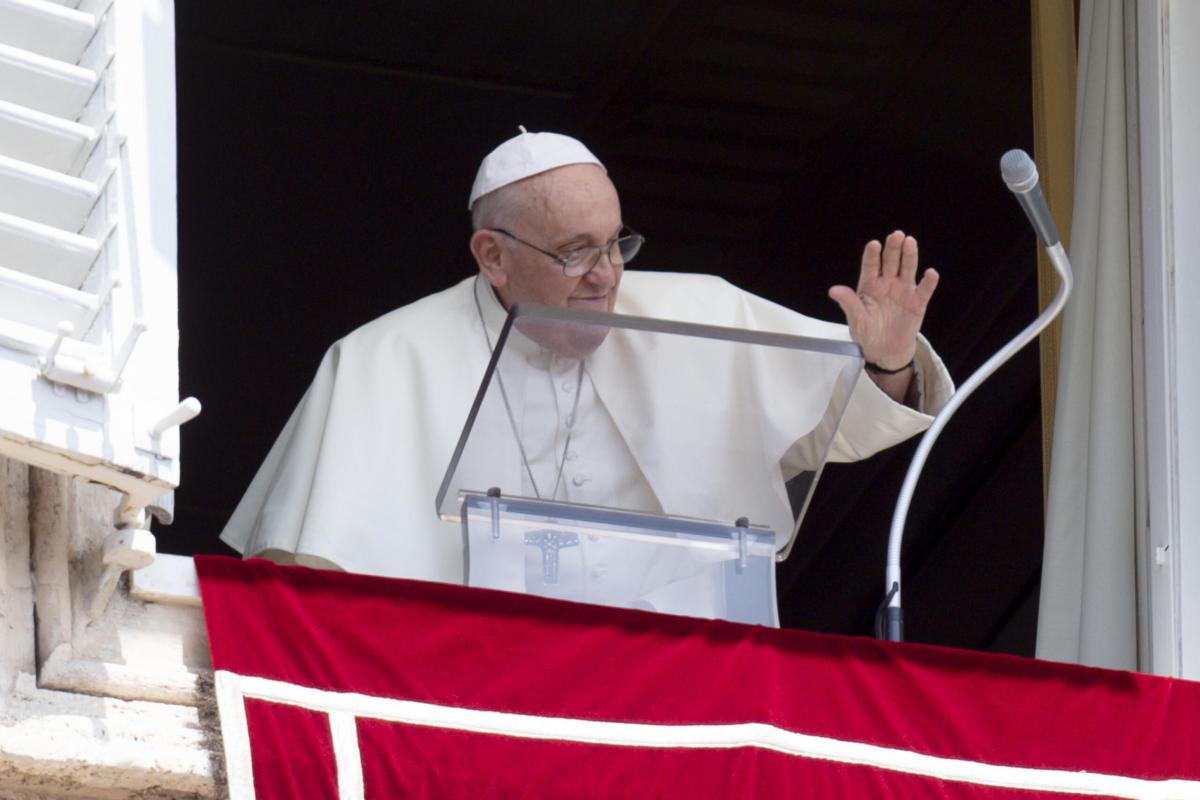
88 324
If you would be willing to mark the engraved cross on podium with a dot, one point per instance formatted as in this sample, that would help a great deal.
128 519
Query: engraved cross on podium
550 542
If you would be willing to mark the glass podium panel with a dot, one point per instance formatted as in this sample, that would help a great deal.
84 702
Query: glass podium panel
646 440
620 558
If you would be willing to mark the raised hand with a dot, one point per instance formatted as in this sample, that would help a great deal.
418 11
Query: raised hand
886 312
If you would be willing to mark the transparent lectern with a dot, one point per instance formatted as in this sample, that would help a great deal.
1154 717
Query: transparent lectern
643 463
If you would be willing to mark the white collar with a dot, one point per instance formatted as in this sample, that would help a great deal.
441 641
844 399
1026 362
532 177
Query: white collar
494 314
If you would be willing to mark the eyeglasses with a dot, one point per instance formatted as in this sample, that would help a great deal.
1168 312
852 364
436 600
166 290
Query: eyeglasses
579 261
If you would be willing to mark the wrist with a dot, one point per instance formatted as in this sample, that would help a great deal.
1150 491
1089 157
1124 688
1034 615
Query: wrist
880 369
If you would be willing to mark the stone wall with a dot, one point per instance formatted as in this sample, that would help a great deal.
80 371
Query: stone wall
100 697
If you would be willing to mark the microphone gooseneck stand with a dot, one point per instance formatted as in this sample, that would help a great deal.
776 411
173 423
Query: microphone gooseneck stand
1021 176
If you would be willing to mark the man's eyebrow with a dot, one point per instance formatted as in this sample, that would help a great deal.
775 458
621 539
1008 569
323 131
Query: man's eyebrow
575 237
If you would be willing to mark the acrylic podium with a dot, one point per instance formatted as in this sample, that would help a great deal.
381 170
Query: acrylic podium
643 463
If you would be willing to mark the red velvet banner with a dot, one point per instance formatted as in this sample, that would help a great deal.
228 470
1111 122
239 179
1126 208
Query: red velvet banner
335 685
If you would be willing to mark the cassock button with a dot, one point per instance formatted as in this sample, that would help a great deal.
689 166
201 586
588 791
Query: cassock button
567 386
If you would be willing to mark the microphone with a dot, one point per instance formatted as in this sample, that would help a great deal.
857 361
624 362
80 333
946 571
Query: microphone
1021 176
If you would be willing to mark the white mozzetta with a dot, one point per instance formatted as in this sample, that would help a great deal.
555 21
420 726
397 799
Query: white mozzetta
44 84
45 196
43 139
49 29
297 503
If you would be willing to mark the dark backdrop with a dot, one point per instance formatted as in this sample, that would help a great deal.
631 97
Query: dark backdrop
326 151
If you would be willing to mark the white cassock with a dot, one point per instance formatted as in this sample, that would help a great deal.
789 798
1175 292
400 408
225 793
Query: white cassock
352 479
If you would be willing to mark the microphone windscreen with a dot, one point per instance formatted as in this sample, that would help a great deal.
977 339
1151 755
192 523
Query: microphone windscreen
1018 171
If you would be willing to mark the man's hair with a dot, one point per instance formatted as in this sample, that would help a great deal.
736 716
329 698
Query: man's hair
497 208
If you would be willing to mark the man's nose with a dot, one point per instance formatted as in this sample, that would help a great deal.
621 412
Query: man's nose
604 271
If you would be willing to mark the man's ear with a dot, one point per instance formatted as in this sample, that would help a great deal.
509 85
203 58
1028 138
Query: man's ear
487 249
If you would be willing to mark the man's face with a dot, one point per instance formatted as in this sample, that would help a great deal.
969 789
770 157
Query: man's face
566 208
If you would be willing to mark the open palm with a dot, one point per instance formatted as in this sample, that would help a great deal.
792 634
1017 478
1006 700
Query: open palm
886 312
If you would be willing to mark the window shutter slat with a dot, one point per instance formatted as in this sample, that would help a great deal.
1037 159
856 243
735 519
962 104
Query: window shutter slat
88 312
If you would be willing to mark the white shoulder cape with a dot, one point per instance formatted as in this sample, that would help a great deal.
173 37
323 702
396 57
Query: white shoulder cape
351 480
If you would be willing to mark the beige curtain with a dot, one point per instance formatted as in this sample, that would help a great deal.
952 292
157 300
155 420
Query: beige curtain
1088 611
1054 64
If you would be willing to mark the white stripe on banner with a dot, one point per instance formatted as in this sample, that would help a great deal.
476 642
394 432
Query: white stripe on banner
344 731
628 734
231 706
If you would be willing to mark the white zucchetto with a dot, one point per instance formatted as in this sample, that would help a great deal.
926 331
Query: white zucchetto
525 155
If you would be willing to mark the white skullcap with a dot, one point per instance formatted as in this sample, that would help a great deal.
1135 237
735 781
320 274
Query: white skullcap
525 155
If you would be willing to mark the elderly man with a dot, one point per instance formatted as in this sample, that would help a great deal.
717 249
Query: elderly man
351 480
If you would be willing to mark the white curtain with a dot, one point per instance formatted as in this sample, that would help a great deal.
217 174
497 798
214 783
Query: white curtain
1088 609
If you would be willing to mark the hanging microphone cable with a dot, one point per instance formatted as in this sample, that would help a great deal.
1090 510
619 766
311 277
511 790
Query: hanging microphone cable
1021 177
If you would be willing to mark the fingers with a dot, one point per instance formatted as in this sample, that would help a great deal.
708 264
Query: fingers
908 260
929 282
870 264
892 247
897 258
900 257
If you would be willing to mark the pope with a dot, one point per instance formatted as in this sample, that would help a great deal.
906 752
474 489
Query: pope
351 479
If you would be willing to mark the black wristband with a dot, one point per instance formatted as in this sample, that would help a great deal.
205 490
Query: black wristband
878 370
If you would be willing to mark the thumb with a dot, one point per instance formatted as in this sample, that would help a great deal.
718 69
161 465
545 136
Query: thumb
848 300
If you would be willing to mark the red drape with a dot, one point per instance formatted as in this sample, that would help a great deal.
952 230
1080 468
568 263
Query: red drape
599 702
